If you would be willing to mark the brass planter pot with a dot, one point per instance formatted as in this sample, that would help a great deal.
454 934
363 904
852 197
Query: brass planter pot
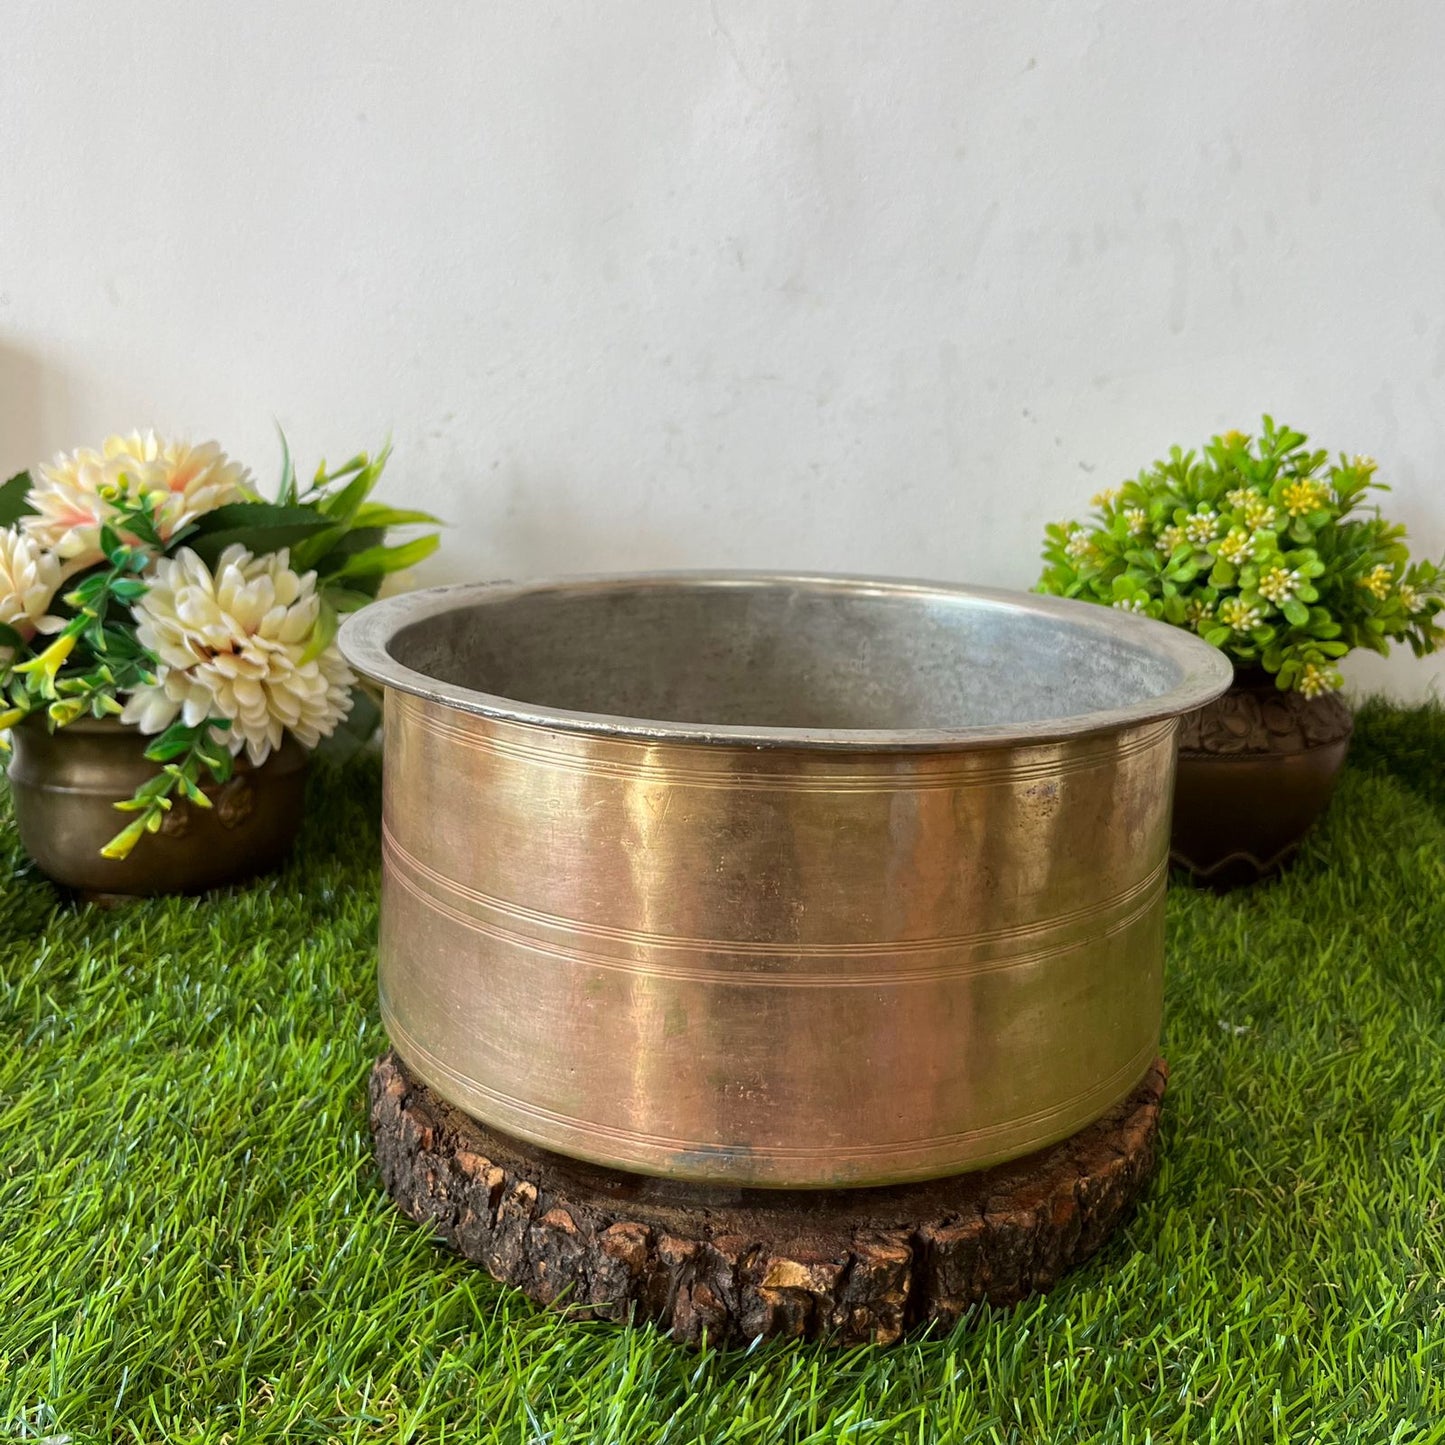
775 881
1257 768
65 786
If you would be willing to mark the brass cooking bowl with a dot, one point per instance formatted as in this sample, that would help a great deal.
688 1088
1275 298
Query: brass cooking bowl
779 881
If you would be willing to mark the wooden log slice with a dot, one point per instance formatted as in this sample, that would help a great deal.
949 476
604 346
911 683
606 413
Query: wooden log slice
846 1265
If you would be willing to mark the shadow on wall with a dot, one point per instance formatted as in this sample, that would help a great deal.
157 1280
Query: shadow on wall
34 409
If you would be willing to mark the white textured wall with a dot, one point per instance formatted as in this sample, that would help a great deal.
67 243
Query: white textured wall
874 286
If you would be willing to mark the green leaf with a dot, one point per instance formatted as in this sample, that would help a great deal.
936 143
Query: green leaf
324 478
212 751
347 599
1297 613
192 791
174 742
378 514
140 521
341 507
218 760
258 526
87 590
327 551
156 787
15 499
286 494
254 515
379 560
323 634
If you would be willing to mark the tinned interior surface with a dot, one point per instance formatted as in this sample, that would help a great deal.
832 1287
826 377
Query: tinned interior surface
776 656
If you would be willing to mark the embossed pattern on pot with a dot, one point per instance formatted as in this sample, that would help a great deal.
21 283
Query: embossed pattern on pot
1257 768
66 785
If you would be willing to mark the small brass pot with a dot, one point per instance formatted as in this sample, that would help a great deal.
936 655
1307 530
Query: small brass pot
1257 768
65 786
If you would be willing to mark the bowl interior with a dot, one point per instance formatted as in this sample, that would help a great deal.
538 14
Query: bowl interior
761 654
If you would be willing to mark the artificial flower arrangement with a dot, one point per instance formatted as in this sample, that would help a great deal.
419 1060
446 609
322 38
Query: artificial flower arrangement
150 582
1262 547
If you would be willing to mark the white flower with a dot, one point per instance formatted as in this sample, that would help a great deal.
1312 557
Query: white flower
29 579
182 482
1279 584
1137 519
69 507
1235 547
1197 613
1258 514
1169 539
1201 527
233 645
1242 497
1305 495
1079 546
1314 680
1131 604
1236 613
1105 498
1378 579
1409 597
80 491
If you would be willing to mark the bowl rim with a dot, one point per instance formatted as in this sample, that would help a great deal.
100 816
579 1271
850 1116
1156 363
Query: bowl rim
1205 672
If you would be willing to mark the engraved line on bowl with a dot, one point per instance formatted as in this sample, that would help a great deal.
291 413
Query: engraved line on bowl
1103 1093
921 780
976 775
765 979
393 850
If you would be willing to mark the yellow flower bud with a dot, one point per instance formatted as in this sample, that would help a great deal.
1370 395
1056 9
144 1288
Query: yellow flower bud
49 662
65 712
120 846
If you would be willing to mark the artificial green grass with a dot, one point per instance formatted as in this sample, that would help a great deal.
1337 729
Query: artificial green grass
194 1244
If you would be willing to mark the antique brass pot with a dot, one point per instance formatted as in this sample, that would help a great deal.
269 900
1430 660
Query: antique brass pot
780 881
65 786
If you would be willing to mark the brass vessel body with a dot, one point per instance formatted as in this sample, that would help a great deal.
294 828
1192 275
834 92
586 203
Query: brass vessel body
765 955
65 786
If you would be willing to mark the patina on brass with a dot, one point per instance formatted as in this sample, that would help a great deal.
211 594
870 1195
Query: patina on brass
776 881
65 786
